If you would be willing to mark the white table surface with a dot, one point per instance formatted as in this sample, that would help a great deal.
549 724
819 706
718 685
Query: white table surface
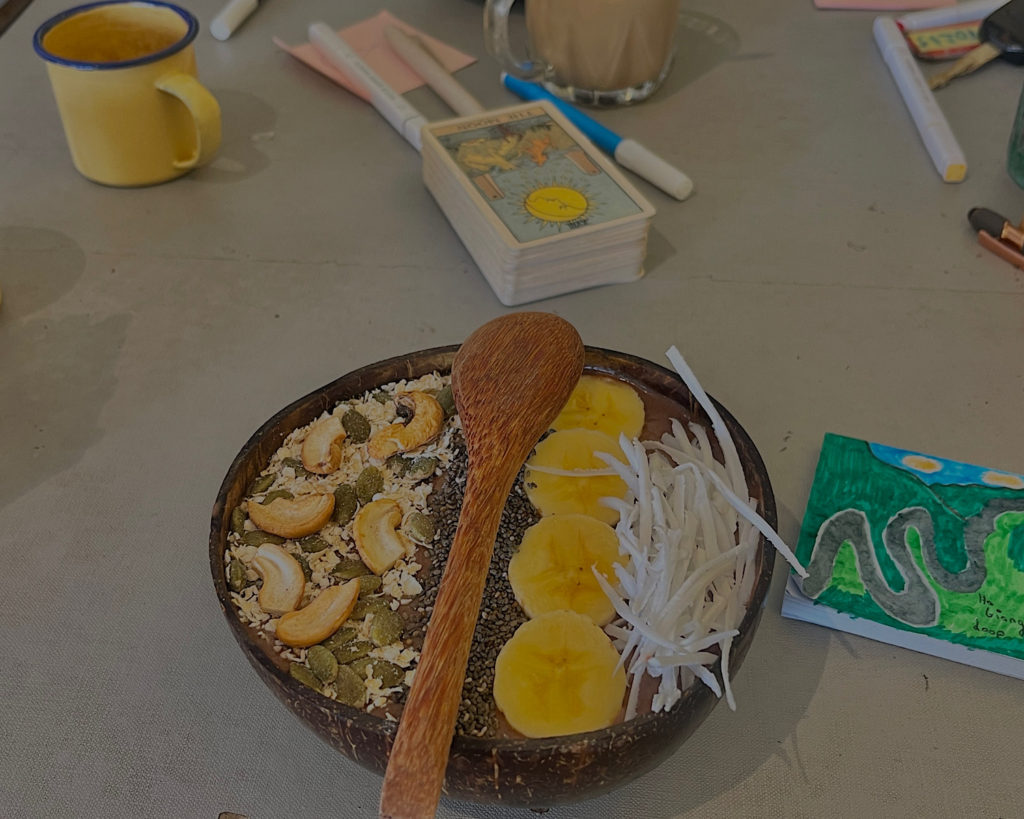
822 278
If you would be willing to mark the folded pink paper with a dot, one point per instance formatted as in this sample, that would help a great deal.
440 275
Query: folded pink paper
367 38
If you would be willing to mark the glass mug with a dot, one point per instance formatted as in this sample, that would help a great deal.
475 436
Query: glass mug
124 77
598 52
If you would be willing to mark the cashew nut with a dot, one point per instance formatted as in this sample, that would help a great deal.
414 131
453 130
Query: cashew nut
321 450
321 618
283 581
427 417
293 517
378 540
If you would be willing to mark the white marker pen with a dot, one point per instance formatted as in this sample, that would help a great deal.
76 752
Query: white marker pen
958 13
389 104
920 101
231 17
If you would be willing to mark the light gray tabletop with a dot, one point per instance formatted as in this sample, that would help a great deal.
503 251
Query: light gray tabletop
822 278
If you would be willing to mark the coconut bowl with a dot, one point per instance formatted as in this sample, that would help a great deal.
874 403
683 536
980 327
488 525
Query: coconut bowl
534 773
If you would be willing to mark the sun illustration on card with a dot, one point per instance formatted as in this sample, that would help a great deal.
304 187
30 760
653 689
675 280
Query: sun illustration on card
557 203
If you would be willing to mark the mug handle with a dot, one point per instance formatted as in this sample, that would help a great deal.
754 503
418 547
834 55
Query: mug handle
496 40
205 113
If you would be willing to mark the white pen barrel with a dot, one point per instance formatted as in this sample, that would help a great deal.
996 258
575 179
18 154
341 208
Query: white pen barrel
392 106
631 154
437 77
231 17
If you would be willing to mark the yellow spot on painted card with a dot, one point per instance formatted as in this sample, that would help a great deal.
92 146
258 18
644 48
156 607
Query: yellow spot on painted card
921 463
1002 479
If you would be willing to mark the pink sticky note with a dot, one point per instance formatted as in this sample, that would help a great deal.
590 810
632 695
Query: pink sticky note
367 39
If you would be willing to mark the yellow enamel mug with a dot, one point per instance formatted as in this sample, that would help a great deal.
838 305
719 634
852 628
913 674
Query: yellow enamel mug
124 76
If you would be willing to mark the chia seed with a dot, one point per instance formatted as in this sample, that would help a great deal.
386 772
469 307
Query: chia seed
500 614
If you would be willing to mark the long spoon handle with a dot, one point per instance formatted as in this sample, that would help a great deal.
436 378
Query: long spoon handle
415 773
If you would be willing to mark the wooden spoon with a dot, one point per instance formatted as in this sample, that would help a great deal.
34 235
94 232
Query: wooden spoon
510 379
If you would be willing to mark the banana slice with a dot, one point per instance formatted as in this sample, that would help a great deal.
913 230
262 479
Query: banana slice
604 404
555 493
557 676
552 568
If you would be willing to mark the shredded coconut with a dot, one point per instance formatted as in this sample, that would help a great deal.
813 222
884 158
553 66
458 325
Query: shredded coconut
689 527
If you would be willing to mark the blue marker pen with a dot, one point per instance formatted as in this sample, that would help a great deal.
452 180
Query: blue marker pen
627 152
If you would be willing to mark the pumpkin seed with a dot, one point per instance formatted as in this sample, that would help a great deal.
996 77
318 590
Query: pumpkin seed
357 428
421 527
346 501
238 521
353 650
343 635
349 688
446 398
349 567
257 537
322 663
362 666
261 484
304 676
398 465
369 605
273 496
296 465
368 584
368 484
304 565
381 396
422 467
386 627
389 674
236 575
313 543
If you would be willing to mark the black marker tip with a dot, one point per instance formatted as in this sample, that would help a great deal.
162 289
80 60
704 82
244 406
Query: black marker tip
986 220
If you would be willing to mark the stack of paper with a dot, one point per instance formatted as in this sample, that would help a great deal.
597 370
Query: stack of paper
541 211
915 550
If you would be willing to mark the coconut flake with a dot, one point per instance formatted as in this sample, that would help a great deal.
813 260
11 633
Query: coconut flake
689 529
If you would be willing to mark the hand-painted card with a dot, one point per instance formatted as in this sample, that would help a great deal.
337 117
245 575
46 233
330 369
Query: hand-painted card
914 550
531 171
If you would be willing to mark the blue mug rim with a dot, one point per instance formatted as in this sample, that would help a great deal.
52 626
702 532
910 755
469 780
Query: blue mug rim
190 34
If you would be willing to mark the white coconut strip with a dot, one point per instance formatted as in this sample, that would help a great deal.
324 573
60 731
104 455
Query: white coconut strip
634 694
623 610
629 648
726 681
668 692
709 640
751 516
707 455
732 458
694 658
707 523
571 473
707 678
638 460
715 615
761 524
697 584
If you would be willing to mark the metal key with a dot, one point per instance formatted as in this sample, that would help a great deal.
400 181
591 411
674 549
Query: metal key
970 62
1001 35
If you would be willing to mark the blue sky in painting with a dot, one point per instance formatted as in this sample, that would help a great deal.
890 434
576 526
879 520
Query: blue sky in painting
932 469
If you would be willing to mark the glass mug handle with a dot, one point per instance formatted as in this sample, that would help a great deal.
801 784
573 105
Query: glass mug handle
205 113
496 40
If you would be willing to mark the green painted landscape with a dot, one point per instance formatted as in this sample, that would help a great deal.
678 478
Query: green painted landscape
916 543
